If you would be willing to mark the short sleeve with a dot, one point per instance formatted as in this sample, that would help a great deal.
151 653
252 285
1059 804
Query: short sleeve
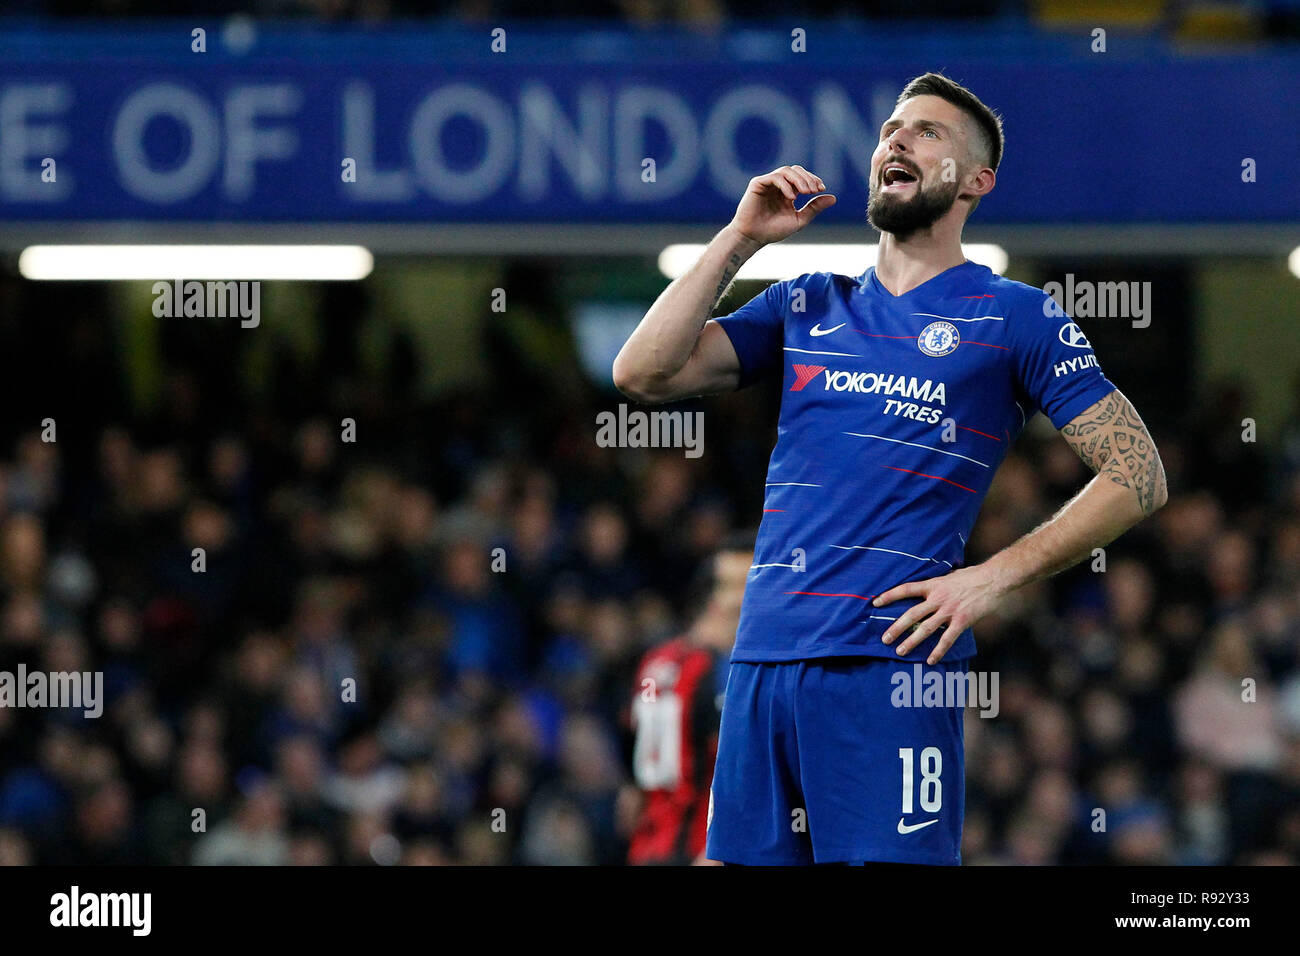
1055 364
757 332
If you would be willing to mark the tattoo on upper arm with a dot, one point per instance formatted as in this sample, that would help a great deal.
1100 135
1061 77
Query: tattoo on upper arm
1112 440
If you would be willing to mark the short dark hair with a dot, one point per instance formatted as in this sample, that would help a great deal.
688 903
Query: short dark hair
990 123
705 579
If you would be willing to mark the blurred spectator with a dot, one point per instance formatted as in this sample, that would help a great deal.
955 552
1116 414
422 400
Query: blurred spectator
254 836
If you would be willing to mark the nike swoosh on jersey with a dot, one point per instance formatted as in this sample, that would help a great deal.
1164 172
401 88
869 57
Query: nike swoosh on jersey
904 829
818 330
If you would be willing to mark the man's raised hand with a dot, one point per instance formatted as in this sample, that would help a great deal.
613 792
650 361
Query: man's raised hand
767 212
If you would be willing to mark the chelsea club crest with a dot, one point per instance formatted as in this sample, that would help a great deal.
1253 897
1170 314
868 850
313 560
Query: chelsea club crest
938 338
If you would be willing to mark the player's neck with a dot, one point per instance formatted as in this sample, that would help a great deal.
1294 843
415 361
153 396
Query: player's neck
902 265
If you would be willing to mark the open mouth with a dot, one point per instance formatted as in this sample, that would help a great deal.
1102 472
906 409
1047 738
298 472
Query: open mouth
896 176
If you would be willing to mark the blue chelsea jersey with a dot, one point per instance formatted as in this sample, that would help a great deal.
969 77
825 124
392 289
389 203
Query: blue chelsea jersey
895 414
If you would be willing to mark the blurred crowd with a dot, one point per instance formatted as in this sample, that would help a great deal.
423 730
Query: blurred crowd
419 647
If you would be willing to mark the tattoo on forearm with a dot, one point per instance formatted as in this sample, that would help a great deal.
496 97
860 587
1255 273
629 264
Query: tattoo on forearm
1112 440
733 266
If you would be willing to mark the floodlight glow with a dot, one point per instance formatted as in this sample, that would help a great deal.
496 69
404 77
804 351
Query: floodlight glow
787 260
119 262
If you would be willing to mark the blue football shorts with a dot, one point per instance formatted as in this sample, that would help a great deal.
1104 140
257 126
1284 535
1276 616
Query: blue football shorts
838 760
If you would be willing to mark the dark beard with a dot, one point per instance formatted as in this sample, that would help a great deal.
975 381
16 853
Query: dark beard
902 217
